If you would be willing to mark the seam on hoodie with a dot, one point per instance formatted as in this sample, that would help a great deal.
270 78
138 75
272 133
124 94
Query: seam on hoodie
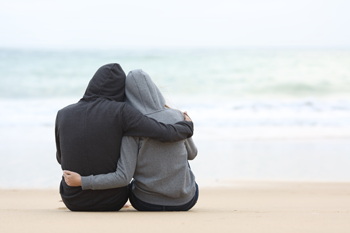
149 113
133 77
123 121
87 154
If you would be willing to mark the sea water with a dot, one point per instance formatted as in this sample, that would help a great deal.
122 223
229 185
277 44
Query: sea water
258 113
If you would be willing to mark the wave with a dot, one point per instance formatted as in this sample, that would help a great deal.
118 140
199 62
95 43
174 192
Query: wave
252 113
226 73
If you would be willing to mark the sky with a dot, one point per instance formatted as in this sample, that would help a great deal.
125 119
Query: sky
174 24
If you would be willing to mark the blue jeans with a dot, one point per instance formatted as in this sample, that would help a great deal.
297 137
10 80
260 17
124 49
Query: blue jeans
144 206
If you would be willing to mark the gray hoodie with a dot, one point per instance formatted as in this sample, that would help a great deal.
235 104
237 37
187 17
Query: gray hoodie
161 171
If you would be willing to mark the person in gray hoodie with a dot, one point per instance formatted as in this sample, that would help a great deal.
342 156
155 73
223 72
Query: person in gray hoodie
163 180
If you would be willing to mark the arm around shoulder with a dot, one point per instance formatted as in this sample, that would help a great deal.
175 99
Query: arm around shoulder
138 125
125 169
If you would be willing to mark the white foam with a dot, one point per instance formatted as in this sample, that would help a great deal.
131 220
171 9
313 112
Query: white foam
246 142
251 118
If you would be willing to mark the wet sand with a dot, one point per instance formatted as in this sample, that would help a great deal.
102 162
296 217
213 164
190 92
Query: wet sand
243 206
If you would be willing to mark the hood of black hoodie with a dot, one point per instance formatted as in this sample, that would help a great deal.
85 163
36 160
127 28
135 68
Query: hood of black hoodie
108 82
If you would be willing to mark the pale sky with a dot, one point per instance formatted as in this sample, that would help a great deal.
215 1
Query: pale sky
174 23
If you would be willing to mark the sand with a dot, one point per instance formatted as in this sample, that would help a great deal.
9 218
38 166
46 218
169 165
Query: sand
231 207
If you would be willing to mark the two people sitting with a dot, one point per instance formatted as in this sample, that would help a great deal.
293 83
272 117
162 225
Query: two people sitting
122 129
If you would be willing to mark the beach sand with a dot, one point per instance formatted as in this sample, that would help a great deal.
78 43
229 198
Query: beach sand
235 206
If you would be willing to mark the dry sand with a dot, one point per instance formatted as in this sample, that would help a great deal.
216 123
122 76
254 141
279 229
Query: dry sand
237 207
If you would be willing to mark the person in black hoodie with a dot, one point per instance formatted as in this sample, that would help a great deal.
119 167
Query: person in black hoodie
89 133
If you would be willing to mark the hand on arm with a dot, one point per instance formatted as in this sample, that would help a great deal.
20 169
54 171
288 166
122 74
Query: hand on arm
72 179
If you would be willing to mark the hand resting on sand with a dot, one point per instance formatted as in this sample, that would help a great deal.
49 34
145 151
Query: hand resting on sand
72 179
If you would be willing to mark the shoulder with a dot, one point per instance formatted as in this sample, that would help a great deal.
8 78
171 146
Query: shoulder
167 116
68 107
176 113
67 110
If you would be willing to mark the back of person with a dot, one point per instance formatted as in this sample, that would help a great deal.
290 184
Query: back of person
93 126
88 133
162 175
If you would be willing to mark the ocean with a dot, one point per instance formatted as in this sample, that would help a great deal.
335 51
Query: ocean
270 114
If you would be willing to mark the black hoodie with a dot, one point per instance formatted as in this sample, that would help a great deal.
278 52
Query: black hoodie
89 133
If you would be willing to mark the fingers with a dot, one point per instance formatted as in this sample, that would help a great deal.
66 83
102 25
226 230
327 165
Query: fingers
67 172
67 180
66 175
187 118
72 179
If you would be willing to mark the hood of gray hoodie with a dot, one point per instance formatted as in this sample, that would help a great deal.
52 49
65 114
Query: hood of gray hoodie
142 93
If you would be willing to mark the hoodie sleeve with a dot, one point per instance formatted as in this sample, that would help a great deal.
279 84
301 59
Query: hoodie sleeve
138 125
191 149
125 169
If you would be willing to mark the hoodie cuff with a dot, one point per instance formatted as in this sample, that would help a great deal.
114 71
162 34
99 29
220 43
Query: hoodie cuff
86 182
191 126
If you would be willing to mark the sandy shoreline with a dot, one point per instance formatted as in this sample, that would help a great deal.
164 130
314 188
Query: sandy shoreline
240 206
